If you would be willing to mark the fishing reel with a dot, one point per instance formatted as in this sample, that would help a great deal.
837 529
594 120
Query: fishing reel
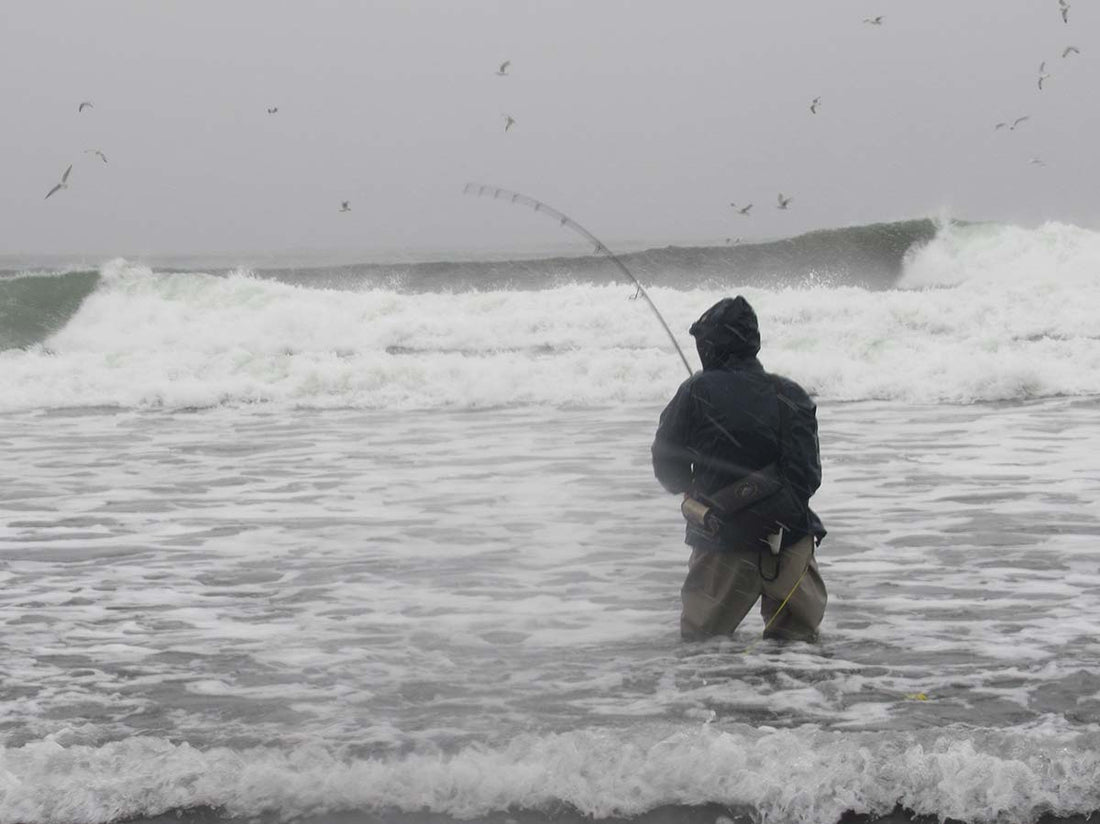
700 515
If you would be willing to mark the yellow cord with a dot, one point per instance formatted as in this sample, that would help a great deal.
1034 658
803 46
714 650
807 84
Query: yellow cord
775 614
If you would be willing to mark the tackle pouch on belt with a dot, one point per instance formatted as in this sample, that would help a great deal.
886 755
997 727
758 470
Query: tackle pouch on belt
746 513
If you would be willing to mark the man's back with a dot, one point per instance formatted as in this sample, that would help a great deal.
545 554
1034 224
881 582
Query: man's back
733 418
726 420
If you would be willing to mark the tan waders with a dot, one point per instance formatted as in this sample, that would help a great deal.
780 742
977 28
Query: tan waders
721 588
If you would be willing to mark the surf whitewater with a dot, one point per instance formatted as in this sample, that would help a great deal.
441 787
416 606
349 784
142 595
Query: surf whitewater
895 311
383 544
683 775
349 615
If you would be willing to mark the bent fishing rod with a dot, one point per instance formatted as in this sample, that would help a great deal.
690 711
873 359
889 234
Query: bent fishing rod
498 193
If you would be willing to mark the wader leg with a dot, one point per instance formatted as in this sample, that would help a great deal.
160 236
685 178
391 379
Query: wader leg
802 614
719 591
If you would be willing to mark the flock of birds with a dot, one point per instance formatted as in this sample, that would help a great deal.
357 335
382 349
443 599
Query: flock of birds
782 201
509 121
1044 75
345 205
64 182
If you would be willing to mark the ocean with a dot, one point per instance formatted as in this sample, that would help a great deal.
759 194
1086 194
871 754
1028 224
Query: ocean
382 543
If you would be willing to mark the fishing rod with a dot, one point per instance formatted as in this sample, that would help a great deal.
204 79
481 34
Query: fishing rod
480 190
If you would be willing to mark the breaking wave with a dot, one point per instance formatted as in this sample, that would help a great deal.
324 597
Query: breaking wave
799 775
974 313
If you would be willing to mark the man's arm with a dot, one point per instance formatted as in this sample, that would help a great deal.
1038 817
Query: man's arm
799 454
672 457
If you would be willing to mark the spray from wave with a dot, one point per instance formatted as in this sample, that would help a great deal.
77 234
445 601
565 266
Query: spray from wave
1005 257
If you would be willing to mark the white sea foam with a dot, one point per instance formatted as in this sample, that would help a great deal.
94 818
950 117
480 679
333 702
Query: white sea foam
1016 320
476 612
390 603
798 776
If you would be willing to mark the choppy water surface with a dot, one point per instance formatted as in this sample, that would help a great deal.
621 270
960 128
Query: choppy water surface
385 542
453 594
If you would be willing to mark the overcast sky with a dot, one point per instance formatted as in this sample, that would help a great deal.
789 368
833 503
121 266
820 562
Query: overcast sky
642 120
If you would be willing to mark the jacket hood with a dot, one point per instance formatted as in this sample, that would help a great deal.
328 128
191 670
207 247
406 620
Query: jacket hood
726 331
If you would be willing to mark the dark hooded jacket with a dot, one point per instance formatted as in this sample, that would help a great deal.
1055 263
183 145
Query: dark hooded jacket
733 418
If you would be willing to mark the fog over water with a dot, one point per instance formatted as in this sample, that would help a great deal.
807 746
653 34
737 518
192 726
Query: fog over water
641 119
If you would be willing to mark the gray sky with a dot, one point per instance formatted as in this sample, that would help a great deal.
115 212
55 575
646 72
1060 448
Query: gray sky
642 120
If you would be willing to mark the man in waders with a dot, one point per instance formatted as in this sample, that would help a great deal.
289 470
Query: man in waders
741 444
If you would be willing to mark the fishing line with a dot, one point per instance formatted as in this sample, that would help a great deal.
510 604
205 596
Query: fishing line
537 205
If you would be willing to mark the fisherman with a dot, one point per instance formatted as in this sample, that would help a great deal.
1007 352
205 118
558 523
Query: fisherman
741 445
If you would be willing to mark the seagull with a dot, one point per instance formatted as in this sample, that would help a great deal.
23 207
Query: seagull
1014 124
814 105
1065 10
503 70
1042 74
783 201
1036 161
1070 50
64 184
273 110
345 206
744 210
87 104
97 153
874 21
509 121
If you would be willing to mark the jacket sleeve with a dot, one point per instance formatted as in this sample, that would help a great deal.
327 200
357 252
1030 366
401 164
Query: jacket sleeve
800 455
672 453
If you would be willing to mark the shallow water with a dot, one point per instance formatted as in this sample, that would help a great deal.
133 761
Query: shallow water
453 596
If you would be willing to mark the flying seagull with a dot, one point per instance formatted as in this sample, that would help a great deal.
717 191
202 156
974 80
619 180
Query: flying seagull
64 184
503 70
814 105
744 210
509 121
1014 124
783 201
1065 10
1042 74
874 21
1070 50
97 153
1036 161
345 206
87 104
273 110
